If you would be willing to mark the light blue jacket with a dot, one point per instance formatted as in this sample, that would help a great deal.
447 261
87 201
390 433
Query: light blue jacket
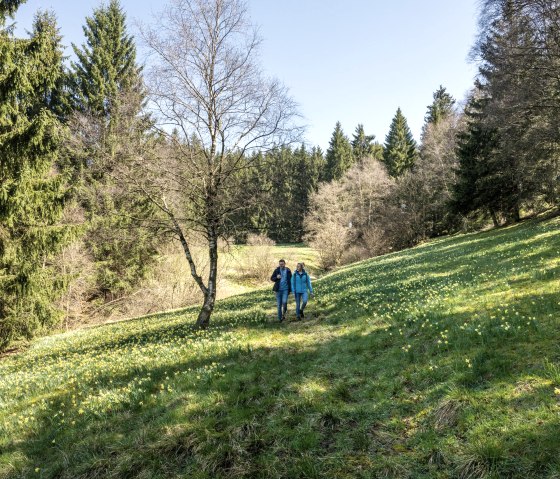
301 282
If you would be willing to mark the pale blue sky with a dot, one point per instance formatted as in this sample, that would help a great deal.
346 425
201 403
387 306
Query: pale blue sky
352 61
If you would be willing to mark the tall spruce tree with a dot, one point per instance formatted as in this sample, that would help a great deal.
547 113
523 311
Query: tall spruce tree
442 106
365 146
475 145
400 149
339 156
307 167
485 180
8 8
282 170
494 176
514 107
318 162
107 90
32 194
106 63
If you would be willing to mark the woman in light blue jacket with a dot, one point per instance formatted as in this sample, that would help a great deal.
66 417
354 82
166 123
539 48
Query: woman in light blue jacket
301 284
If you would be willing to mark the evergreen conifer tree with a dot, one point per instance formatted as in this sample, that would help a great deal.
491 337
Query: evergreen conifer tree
485 177
318 165
400 150
284 180
339 156
305 182
8 8
441 107
485 182
471 146
512 109
107 89
282 176
32 194
106 63
364 146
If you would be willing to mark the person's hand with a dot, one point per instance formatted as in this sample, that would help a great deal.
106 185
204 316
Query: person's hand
278 276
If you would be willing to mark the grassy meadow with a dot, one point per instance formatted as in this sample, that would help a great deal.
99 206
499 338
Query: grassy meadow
169 285
442 361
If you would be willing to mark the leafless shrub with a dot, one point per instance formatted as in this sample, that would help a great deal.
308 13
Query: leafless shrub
258 258
343 211
77 266
376 241
327 225
330 242
354 253
259 240
423 194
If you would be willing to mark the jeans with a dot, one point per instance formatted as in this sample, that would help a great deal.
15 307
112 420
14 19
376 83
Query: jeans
300 298
282 302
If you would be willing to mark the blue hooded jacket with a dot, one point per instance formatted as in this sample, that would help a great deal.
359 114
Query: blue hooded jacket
301 282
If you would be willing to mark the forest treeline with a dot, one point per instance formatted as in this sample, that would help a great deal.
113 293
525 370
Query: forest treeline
103 162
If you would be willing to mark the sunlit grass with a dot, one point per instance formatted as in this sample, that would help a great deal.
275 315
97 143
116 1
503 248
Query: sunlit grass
170 286
441 361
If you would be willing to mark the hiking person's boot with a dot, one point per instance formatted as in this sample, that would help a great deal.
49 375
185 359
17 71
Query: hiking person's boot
298 318
302 315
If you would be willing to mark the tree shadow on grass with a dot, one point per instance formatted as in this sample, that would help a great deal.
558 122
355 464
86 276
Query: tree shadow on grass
350 405
348 284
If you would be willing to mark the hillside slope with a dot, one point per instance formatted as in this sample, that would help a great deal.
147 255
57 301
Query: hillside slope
442 361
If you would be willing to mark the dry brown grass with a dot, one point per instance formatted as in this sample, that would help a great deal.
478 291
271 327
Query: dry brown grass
170 285
255 264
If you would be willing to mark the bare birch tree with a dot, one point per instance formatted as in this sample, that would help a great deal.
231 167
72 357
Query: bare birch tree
214 107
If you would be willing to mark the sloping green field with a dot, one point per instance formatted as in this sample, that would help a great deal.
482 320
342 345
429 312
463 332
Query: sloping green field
442 361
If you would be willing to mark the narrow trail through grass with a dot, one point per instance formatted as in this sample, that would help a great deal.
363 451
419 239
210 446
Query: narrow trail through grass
442 361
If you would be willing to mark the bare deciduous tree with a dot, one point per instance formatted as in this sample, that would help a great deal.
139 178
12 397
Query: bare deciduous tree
213 106
351 212
327 224
426 191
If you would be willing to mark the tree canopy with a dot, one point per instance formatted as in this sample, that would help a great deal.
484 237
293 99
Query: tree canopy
400 149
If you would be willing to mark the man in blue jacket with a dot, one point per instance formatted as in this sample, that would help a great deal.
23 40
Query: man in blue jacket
282 278
301 284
